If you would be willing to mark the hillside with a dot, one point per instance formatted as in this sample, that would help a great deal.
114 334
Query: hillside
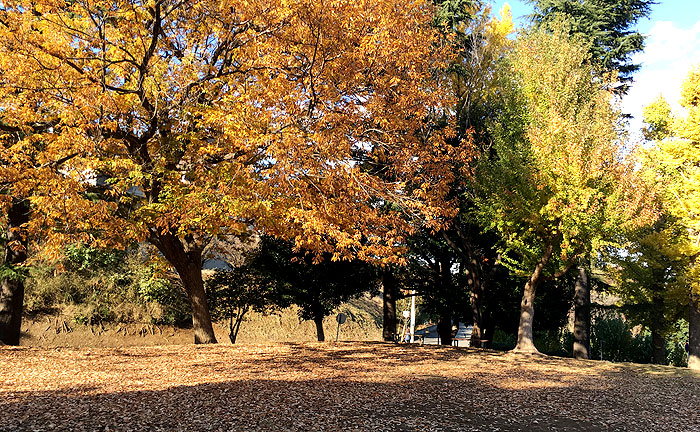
363 324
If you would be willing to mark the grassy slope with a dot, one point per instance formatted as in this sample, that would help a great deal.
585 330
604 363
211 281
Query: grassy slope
311 386
364 323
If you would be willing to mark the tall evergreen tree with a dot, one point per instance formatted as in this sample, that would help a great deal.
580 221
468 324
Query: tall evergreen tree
608 25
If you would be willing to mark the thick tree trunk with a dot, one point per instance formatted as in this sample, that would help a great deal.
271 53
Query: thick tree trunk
476 300
477 325
186 257
657 326
389 305
444 328
11 301
12 286
319 329
582 316
659 348
191 277
526 343
694 332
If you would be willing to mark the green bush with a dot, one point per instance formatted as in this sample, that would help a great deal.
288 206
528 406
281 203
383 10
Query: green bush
675 345
613 337
100 286
170 297
558 343
85 258
503 341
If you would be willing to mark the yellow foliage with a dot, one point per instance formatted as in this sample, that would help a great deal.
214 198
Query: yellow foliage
676 161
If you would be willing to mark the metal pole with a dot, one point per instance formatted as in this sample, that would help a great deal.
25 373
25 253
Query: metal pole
413 314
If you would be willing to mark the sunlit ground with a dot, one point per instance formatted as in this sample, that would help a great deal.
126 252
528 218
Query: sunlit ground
343 386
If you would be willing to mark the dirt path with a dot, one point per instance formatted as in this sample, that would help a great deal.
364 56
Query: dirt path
344 386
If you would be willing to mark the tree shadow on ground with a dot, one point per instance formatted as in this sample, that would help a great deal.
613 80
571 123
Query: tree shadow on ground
306 405
348 386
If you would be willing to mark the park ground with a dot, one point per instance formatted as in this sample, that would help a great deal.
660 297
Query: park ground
335 387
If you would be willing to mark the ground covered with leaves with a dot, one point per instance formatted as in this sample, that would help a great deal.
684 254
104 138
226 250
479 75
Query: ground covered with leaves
335 386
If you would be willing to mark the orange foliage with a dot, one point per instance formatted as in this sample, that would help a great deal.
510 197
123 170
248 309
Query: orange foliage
304 119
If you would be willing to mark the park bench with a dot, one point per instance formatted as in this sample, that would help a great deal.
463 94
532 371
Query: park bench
464 334
456 340
416 337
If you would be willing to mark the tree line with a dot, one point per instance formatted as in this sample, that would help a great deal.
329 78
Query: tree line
426 139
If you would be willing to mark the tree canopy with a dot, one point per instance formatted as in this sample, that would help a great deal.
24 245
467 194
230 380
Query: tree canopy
558 181
206 117
675 161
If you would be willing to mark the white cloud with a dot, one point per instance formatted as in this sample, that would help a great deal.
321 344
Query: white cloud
669 54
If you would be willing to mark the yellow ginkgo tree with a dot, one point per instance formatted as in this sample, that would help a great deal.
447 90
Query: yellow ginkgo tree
676 160
557 182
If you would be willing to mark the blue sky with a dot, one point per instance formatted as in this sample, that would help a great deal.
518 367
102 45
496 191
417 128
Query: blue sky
672 48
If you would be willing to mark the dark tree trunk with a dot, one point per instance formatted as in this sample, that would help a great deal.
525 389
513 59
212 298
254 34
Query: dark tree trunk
657 327
389 286
231 329
191 277
445 284
234 325
659 348
526 343
476 299
582 316
319 329
444 328
12 286
476 282
186 257
694 332
11 302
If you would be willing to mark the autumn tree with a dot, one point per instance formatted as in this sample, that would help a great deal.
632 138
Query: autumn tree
644 275
205 117
558 182
676 160
30 174
15 209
